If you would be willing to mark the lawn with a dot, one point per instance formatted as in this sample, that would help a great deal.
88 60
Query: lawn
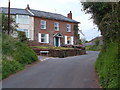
50 47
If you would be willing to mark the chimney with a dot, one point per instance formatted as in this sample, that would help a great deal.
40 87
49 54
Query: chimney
69 15
28 7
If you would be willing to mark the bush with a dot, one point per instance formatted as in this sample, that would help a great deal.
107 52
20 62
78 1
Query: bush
15 55
10 67
21 36
107 66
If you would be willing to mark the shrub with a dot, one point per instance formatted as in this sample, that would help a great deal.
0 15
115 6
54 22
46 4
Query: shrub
15 55
10 67
21 36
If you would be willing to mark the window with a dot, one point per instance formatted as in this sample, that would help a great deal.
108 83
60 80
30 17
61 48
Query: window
68 27
43 24
22 19
43 38
24 30
68 40
56 26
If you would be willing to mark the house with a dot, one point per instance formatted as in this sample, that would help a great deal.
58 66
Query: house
44 27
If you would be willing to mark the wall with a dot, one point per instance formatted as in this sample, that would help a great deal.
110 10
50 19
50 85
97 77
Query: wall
50 29
29 26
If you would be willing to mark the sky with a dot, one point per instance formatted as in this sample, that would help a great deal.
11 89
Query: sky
63 7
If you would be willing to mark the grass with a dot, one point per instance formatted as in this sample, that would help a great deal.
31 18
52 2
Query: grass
56 48
15 55
108 66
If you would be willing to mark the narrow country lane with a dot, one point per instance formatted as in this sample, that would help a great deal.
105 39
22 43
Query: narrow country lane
70 72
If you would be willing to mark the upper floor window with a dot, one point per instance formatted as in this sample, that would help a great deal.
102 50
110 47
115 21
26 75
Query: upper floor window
56 26
68 27
43 24
22 19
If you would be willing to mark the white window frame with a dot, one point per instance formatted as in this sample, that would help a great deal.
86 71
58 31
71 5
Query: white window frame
71 42
22 19
43 24
46 38
56 26
68 27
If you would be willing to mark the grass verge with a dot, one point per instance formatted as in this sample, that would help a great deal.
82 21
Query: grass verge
107 66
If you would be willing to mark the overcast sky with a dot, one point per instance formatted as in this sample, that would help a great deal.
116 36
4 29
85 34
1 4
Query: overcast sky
61 7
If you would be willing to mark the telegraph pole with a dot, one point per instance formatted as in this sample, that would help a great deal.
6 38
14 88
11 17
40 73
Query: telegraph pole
9 17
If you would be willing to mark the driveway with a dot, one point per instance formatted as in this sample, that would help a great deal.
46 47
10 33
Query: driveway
70 72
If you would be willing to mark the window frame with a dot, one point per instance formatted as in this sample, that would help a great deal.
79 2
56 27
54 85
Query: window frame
57 26
43 24
68 27
19 19
45 37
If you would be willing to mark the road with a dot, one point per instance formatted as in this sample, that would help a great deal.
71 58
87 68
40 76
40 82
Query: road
70 72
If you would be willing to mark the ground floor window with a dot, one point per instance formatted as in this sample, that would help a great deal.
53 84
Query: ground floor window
43 38
69 40
24 30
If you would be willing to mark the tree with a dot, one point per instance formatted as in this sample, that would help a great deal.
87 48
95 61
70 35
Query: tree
105 16
13 24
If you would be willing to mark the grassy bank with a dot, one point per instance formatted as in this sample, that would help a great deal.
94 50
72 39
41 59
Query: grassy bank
15 55
107 66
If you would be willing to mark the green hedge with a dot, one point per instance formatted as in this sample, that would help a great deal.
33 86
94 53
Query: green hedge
15 55
108 67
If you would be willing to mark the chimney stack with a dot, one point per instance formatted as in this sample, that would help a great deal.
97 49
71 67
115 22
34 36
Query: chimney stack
69 15
28 7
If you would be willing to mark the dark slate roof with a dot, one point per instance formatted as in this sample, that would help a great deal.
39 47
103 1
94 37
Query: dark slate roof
14 11
49 15
37 13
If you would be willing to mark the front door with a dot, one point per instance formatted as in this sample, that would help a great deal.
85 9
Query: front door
56 41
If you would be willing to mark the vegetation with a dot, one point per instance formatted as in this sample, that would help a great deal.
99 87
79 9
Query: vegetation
13 24
107 67
15 55
22 37
50 47
77 36
106 17
95 47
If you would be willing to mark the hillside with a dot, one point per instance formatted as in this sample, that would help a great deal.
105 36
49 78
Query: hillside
15 55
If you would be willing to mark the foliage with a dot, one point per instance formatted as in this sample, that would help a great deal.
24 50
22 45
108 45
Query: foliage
94 48
15 55
97 42
107 66
106 16
76 35
10 67
21 36
13 24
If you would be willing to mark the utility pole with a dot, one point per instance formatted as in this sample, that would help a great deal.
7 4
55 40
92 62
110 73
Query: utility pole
9 17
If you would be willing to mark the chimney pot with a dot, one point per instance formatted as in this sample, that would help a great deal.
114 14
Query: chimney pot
28 7
69 15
